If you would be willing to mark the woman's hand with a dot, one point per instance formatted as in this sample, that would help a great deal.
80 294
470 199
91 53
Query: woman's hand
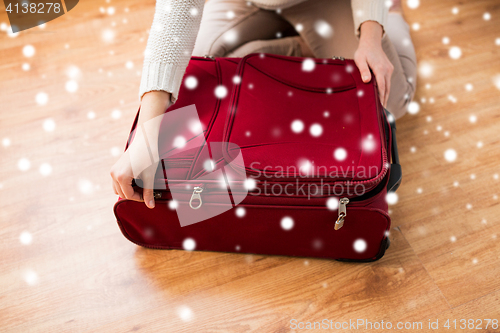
136 161
371 55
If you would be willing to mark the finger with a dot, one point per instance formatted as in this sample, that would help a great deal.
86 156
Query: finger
149 200
128 191
363 69
118 189
148 183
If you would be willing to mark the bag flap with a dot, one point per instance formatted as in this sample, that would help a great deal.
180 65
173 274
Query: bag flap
293 119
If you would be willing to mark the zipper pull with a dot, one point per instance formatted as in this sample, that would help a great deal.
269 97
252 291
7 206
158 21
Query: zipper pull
338 58
196 196
209 56
342 213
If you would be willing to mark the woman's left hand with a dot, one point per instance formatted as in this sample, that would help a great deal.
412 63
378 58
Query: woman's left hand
371 55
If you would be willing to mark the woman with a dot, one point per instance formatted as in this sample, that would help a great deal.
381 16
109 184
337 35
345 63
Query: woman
233 28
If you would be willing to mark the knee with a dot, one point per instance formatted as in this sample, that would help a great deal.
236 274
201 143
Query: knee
216 48
288 46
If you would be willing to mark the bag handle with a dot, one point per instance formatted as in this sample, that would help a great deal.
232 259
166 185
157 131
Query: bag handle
396 173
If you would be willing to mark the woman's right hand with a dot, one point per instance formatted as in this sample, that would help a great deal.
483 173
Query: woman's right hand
136 161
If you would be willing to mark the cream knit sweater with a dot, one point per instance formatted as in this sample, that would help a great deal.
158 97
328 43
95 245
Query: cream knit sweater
175 27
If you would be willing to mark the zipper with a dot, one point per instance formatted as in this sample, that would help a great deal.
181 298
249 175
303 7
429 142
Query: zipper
209 56
213 185
342 213
196 196
338 58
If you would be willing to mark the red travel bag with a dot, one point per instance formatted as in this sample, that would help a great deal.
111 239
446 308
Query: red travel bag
293 157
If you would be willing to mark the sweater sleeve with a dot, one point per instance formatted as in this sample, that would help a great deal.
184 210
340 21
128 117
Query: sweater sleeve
170 45
369 10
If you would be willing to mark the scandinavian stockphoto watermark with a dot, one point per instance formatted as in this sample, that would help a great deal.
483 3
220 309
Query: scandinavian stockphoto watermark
382 325
26 14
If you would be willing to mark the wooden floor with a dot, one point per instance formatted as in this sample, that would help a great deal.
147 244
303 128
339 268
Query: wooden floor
65 267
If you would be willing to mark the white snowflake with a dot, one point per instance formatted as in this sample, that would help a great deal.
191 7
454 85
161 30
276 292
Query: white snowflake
85 186
455 52
391 198
360 245
45 169
116 114
287 223
425 69
28 51
323 29
240 212
220 91
413 3
209 165
496 81
71 86
108 35
30 277
25 238
6 142
185 313
413 107
340 154
24 164
308 65
332 203
368 144
179 142
316 130
189 244
115 151
450 155
250 184
191 82
42 98
230 36
297 126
